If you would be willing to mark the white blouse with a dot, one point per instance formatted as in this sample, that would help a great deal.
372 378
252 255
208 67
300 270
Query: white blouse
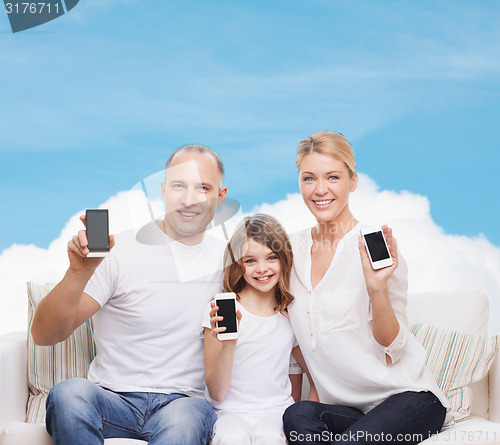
333 326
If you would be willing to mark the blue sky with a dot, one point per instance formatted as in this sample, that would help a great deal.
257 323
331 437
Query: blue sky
96 100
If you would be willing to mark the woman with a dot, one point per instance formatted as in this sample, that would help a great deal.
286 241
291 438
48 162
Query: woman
350 320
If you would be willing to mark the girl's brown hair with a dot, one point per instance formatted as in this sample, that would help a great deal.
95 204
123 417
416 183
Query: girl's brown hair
268 231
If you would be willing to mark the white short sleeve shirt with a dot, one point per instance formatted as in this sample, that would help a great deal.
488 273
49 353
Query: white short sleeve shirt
153 292
260 368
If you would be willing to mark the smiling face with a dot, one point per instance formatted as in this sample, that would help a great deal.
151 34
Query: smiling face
262 266
192 192
325 184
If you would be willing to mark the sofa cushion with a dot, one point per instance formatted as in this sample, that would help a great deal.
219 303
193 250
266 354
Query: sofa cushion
475 431
456 360
49 365
455 310
20 433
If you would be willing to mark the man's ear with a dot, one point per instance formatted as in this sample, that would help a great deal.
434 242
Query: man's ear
163 185
222 196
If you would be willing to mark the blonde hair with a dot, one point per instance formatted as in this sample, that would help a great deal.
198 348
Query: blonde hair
327 143
268 231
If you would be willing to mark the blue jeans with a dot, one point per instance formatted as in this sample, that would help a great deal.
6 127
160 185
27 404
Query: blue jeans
405 418
80 412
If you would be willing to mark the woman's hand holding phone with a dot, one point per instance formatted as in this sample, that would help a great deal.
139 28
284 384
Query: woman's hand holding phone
376 279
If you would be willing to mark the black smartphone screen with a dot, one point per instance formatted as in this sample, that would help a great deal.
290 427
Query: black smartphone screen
376 246
97 225
227 309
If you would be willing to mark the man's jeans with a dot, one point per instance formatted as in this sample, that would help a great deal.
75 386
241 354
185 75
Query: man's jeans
404 419
81 412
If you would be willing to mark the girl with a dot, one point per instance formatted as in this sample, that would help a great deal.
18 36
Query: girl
350 320
247 379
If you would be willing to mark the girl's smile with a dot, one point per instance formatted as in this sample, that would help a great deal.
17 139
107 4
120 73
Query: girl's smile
262 266
264 279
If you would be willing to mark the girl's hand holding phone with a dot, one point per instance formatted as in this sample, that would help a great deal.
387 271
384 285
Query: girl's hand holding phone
214 318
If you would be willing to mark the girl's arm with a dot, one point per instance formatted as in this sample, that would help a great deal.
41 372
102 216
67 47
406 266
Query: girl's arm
385 325
313 395
219 356
296 380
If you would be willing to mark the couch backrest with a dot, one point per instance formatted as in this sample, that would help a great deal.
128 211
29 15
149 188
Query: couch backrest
463 311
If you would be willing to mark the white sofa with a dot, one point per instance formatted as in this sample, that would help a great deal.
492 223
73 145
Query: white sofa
464 311
460 311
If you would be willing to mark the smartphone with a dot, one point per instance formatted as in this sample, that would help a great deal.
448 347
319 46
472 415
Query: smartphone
97 226
227 308
376 246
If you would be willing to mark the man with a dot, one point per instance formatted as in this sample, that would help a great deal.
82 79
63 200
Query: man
147 299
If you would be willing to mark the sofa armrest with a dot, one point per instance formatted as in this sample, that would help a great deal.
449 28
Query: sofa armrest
13 378
494 388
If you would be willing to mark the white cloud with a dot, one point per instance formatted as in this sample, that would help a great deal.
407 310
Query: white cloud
436 260
22 263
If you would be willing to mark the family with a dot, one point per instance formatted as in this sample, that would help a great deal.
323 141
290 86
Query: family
310 302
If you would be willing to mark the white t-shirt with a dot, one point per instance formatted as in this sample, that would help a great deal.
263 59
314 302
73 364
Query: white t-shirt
260 367
147 330
332 323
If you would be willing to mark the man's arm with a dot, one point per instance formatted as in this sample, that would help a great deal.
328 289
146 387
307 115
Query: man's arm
61 312
66 307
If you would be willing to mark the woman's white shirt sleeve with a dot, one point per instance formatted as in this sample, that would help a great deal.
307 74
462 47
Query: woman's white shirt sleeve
398 288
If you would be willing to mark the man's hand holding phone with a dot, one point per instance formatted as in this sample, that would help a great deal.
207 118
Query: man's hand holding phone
80 257
67 305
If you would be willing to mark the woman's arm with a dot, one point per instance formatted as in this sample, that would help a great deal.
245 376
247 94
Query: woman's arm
219 356
297 353
385 325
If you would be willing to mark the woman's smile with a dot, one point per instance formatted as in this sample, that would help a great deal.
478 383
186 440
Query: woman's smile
325 185
323 203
